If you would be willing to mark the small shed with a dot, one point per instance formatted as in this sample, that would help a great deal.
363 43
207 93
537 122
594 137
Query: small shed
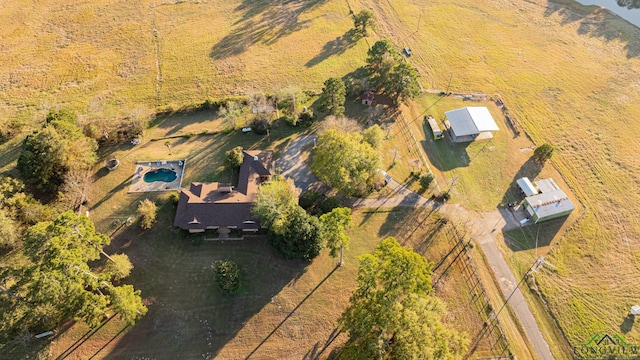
526 186
471 123
548 205
367 98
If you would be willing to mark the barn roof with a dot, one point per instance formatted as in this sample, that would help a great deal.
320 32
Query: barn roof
471 120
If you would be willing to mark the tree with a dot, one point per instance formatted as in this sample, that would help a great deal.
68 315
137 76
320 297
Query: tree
234 158
299 238
118 267
333 96
49 153
147 210
231 111
378 53
59 283
393 313
8 231
275 202
543 153
363 21
333 226
345 161
402 83
168 145
374 136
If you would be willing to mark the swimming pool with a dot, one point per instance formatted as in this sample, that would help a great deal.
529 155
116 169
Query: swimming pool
166 175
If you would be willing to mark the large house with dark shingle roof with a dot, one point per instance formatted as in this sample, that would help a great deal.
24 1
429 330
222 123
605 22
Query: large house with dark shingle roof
217 206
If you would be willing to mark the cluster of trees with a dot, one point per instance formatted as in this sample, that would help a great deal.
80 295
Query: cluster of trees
65 277
386 71
58 157
292 231
390 74
348 161
393 313
63 271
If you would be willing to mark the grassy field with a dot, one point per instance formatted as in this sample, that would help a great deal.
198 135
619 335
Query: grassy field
567 73
284 309
113 59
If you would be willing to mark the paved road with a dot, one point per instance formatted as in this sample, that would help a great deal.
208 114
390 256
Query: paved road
484 227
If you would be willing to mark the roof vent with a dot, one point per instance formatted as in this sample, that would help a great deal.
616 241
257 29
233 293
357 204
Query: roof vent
255 158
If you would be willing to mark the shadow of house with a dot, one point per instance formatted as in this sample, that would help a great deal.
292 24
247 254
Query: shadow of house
334 47
533 236
217 206
445 154
263 23
595 21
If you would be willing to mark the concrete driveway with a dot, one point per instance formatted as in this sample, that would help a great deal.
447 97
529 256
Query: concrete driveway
293 164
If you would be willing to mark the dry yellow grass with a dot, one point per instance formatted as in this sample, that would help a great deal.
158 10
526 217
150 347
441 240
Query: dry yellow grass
569 75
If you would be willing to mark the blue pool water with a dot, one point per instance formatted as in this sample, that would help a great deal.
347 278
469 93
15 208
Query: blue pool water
166 175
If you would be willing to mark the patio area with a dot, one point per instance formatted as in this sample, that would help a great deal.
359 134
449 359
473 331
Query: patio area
157 175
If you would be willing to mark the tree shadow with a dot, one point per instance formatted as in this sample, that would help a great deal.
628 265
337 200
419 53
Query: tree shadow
532 236
336 46
174 123
595 21
126 182
263 22
291 312
627 324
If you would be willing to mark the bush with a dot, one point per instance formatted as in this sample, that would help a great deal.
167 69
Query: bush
234 157
147 210
8 232
306 118
174 197
227 275
328 204
426 180
261 124
309 200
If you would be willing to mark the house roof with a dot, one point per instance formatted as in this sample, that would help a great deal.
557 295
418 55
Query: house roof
368 95
527 187
471 120
206 205
550 203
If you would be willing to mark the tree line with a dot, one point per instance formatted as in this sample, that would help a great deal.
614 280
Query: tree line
58 268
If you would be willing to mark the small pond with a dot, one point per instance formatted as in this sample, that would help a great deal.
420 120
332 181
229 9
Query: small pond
166 175
626 9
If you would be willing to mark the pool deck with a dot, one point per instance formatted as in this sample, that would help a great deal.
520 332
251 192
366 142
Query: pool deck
142 167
